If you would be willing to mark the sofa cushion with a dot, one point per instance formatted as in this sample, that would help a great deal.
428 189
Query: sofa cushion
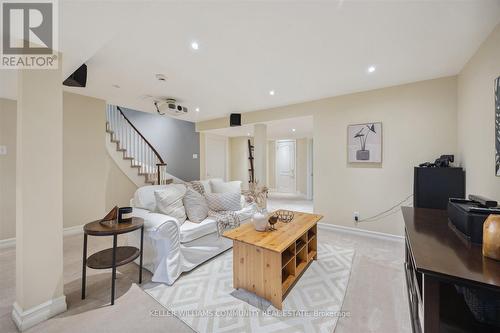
190 231
224 201
219 186
196 206
144 197
169 201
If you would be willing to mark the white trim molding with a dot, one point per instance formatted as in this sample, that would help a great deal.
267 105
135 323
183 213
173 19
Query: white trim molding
70 231
5 243
31 317
360 232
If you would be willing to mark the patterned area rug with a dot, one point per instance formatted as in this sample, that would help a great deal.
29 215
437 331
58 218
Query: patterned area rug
206 301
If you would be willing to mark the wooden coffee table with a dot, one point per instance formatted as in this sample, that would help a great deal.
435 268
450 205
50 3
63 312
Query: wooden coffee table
268 263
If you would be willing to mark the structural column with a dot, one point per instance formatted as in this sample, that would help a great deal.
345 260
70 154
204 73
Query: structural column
39 205
260 150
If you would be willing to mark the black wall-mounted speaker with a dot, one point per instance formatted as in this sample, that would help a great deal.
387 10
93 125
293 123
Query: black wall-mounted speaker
78 78
235 119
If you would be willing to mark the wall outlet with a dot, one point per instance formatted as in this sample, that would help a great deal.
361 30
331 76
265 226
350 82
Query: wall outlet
3 150
355 216
195 156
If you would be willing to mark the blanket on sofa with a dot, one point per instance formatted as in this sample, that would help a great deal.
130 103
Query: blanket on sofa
226 220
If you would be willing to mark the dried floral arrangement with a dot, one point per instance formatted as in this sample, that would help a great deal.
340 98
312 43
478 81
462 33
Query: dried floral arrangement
256 193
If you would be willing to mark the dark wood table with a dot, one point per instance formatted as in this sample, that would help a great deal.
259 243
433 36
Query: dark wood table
115 256
437 257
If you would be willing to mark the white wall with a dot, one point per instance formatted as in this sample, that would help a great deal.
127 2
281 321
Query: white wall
419 123
476 122
238 162
8 169
92 182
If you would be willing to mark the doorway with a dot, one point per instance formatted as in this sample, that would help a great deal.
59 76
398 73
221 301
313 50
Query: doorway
286 181
216 156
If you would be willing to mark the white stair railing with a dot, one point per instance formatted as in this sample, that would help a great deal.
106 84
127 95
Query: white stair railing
135 147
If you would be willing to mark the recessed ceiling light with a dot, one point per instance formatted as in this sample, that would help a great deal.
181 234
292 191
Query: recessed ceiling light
371 69
115 86
161 77
197 109
293 129
271 92
195 46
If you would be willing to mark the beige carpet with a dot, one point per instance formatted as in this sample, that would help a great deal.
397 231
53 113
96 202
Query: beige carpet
205 299
133 312
375 297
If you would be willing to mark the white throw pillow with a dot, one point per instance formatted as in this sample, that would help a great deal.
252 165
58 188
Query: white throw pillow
196 206
169 201
224 201
206 185
219 186
144 197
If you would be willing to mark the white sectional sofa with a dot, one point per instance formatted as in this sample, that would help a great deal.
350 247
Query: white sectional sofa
170 247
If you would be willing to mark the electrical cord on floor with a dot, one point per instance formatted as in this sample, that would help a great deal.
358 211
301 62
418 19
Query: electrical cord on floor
386 213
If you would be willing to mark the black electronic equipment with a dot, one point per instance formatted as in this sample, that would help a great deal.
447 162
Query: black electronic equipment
468 216
235 119
78 78
482 201
442 162
433 187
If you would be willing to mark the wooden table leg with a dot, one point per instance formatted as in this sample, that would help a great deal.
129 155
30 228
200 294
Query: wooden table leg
84 267
431 304
140 260
113 277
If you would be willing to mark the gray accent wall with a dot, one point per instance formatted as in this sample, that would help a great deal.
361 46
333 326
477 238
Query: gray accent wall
175 140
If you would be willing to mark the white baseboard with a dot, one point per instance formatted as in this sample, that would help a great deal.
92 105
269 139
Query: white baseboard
360 232
9 242
70 231
31 317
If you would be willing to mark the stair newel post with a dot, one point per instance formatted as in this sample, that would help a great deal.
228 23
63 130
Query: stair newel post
162 173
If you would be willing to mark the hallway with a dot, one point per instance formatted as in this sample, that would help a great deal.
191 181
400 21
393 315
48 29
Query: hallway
289 201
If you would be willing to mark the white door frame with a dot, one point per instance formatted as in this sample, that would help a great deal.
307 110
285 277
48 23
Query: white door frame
226 149
310 168
294 164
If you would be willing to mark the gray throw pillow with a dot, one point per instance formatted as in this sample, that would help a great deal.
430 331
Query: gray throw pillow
196 206
224 201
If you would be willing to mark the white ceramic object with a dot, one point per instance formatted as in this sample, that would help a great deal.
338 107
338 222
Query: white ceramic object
259 220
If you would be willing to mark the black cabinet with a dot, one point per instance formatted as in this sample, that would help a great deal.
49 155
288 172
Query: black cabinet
433 187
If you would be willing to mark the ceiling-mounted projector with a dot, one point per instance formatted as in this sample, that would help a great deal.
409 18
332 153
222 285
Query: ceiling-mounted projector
169 105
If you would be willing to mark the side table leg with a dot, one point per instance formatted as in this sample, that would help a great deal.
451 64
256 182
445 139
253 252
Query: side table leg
113 275
140 260
84 267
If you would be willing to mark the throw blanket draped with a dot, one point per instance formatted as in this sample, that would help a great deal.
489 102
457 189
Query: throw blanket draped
226 220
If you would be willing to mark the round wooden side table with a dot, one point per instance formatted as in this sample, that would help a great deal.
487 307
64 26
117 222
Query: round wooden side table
115 256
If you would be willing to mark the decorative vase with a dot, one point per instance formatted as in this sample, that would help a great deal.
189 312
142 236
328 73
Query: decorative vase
363 155
491 237
259 220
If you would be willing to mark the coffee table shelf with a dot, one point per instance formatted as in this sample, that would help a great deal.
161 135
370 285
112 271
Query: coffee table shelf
269 263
